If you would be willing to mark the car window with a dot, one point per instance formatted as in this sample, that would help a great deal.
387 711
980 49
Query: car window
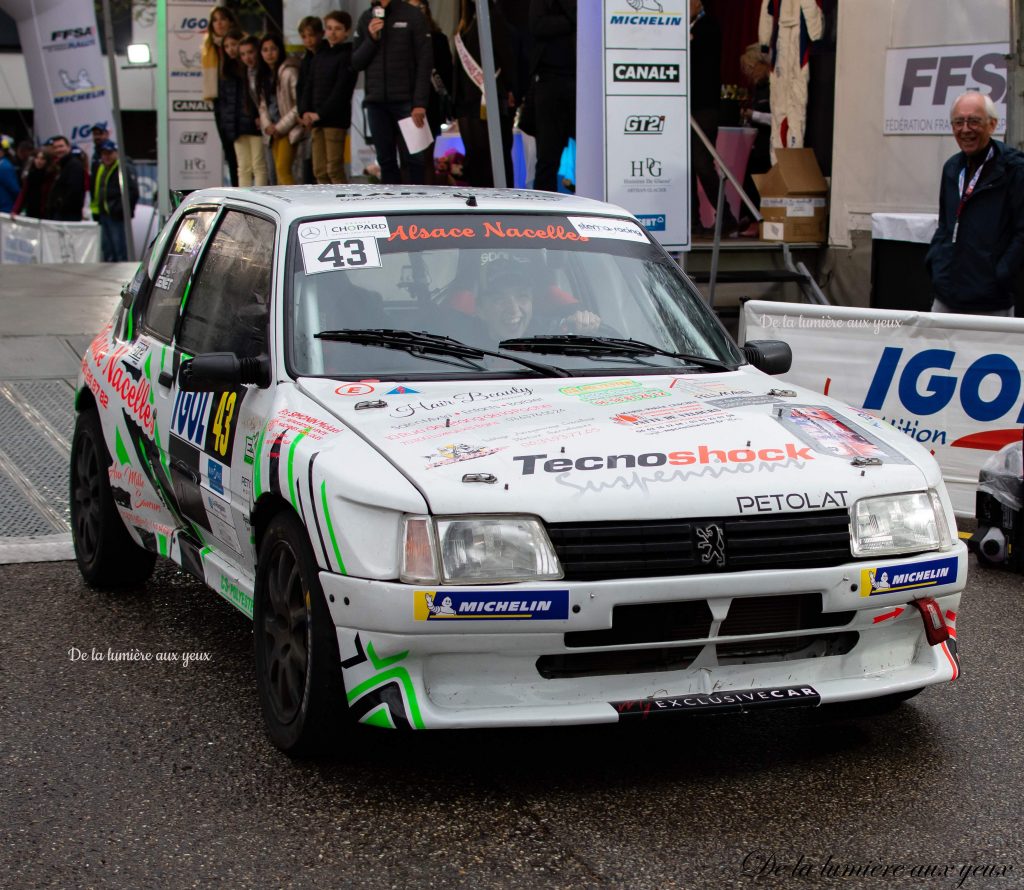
172 279
228 305
484 279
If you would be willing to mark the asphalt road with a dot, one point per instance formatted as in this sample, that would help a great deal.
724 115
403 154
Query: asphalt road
146 774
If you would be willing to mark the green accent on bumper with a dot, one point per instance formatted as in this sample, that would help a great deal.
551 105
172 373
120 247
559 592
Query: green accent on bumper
402 676
380 717
291 468
119 446
330 528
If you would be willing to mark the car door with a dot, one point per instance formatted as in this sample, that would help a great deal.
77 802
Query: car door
134 365
226 309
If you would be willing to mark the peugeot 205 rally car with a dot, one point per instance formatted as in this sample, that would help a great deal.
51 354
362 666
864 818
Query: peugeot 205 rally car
485 458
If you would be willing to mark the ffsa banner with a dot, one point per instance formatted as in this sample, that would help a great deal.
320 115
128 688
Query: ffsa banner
67 73
921 84
950 382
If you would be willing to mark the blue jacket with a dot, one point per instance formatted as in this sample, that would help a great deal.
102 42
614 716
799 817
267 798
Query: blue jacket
978 272
10 185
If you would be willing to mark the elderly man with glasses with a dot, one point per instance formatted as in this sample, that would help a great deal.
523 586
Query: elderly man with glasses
978 248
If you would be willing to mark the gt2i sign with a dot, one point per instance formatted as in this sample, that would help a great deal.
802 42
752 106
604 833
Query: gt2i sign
921 83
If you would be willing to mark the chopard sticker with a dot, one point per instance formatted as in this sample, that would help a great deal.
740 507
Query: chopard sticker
341 229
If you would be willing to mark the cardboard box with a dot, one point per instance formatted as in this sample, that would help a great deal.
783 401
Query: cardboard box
794 198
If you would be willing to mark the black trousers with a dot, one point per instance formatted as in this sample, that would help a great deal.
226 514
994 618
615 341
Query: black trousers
556 124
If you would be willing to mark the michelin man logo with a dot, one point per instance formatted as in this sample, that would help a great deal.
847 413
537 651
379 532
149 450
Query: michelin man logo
436 611
81 82
649 5
878 583
192 60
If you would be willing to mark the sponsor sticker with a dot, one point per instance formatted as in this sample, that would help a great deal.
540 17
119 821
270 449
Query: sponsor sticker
342 228
734 701
606 227
345 253
908 576
491 605
218 474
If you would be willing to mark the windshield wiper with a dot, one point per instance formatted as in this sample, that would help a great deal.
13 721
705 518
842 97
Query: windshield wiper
579 344
422 343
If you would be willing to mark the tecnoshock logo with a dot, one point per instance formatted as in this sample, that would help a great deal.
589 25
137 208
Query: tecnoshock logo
702 456
628 72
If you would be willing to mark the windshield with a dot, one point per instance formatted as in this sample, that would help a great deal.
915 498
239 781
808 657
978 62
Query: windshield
485 280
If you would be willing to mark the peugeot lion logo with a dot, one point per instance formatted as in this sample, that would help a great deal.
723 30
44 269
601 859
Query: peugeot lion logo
711 544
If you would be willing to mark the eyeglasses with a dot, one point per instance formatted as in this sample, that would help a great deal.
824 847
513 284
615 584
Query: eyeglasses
972 123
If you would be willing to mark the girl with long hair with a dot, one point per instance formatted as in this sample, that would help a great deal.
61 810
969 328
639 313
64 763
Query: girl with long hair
277 80
220 21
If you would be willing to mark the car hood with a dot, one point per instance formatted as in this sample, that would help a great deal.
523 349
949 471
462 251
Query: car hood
606 448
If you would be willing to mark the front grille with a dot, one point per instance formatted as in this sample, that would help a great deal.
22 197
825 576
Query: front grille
691 620
598 551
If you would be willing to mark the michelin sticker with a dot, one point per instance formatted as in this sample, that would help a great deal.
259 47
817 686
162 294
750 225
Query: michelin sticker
490 605
600 227
908 576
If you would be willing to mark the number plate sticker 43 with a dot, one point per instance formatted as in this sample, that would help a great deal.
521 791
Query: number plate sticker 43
329 245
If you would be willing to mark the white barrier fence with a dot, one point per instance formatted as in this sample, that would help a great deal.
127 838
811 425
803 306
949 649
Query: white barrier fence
29 240
951 382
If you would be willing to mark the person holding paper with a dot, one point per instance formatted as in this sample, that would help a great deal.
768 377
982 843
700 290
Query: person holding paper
393 47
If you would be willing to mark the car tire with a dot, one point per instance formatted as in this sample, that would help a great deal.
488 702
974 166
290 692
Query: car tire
106 553
298 669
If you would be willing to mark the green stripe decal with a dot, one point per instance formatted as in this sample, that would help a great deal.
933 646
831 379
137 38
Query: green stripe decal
291 467
163 355
131 324
330 527
398 673
161 544
184 296
257 470
380 716
205 552
148 368
119 447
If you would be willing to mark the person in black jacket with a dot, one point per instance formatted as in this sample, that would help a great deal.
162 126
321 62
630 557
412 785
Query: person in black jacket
113 245
553 67
978 248
470 109
393 48
68 191
439 108
311 32
326 104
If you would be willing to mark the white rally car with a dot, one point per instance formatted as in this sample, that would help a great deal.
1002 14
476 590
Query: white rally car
484 458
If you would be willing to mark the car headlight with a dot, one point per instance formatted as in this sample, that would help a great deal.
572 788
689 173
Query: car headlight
476 550
899 523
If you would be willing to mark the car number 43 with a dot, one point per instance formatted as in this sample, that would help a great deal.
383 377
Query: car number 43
352 253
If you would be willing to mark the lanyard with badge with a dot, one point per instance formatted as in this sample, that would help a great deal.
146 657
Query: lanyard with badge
964 195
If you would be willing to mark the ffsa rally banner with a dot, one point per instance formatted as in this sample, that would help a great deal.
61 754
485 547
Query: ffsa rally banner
67 73
950 382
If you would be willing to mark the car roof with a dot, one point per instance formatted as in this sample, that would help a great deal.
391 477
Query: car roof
295 201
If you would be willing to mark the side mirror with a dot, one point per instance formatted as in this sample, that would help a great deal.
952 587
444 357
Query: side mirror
220 371
770 356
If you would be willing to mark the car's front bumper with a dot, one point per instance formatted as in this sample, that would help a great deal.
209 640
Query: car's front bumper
495 656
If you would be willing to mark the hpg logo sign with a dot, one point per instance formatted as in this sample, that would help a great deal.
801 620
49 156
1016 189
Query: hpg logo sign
921 84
